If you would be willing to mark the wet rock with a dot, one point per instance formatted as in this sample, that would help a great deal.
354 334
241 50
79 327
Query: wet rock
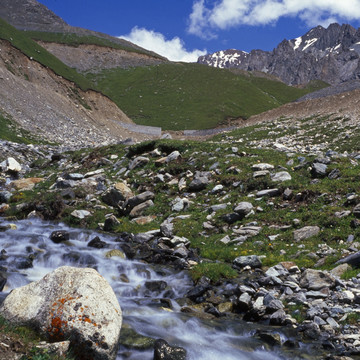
133 340
84 309
269 337
251 260
115 252
306 232
97 243
164 351
316 280
197 291
59 236
156 285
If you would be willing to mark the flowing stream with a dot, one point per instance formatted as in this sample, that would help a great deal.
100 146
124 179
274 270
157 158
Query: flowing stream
145 311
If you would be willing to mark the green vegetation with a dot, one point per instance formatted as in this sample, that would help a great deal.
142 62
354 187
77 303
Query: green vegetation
177 96
10 131
26 341
34 51
73 39
214 271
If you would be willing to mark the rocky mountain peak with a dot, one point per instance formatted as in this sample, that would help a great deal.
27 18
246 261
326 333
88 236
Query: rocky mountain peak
330 54
30 15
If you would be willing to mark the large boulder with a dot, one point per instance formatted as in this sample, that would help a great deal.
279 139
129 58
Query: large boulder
75 304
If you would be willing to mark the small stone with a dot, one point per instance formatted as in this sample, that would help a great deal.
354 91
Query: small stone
262 166
59 236
115 252
80 214
251 260
281 176
306 232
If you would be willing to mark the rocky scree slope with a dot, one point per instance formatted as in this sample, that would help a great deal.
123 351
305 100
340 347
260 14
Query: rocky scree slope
331 55
53 108
261 216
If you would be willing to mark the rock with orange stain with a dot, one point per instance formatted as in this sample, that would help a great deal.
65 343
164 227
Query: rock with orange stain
83 309
26 184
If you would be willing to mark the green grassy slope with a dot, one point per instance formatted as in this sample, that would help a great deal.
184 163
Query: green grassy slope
30 48
178 96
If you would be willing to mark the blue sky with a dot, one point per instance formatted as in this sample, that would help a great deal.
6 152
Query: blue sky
182 30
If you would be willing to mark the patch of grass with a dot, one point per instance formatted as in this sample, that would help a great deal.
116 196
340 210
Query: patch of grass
177 96
352 318
10 131
214 271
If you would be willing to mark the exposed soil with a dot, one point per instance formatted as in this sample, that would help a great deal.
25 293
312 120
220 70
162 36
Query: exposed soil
96 58
55 109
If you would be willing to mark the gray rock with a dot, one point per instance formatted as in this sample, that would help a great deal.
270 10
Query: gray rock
243 208
111 222
268 192
80 214
167 229
136 200
199 184
356 211
215 208
316 280
244 302
138 162
353 260
5 196
281 176
306 232
262 166
84 309
319 170
173 156
75 176
251 260
138 210
12 165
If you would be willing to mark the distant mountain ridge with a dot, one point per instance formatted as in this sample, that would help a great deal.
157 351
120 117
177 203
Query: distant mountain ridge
331 55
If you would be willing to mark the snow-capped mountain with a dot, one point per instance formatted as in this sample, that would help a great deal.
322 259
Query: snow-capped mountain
331 55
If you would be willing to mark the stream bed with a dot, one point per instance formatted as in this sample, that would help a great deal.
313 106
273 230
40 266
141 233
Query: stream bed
150 310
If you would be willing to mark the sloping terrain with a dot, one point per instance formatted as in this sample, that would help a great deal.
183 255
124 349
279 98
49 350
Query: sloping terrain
344 105
52 107
177 96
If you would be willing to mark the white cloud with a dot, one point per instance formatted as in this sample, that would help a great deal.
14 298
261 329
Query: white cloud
173 49
225 14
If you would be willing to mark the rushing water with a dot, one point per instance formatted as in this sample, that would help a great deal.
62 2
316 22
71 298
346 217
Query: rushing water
212 340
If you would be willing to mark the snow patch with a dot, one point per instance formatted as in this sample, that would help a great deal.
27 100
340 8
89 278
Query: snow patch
309 43
298 42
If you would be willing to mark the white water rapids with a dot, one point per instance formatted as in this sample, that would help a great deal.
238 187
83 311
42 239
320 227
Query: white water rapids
212 340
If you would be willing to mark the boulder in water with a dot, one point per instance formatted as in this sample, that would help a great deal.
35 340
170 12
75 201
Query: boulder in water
70 304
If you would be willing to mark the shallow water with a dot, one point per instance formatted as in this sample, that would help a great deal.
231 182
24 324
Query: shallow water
204 340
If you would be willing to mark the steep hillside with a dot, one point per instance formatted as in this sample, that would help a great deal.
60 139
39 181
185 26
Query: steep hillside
178 96
52 107
331 55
